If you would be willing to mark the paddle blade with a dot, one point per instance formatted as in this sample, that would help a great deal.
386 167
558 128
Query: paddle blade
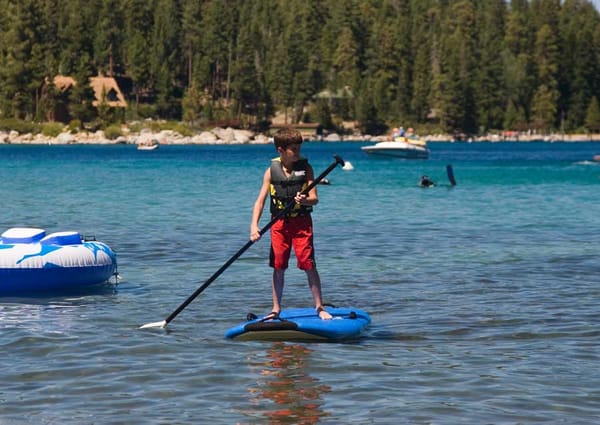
162 324
450 173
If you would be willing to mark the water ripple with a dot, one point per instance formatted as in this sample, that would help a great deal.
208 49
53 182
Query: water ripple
483 296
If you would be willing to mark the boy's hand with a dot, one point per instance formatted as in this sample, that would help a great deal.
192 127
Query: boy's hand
300 198
255 234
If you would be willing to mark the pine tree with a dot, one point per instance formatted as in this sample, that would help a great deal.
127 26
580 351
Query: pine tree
219 20
165 64
425 27
388 62
345 75
245 85
191 105
544 105
139 22
76 41
191 33
108 38
22 69
578 65
455 93
518 65
489 84
303 21
592 116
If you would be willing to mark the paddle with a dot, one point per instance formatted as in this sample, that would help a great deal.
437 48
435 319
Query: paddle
235 256
450 173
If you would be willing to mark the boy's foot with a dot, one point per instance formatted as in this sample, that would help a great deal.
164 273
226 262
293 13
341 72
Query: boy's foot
323 314
271 316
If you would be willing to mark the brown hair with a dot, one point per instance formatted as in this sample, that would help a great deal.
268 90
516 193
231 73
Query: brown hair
287 136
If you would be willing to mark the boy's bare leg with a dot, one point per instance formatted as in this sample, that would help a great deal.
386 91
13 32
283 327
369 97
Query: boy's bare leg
277 285
314 282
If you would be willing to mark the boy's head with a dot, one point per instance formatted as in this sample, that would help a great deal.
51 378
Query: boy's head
285 137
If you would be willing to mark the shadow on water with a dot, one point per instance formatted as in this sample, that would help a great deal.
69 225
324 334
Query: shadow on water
388 335
59 295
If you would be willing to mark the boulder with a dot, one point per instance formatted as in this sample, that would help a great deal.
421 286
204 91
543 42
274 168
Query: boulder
65 138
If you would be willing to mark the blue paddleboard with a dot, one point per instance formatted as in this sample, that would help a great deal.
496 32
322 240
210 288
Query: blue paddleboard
303 324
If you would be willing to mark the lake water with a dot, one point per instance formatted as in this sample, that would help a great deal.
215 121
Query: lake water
483 296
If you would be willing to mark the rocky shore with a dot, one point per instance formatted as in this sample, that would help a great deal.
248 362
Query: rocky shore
230 136
145 137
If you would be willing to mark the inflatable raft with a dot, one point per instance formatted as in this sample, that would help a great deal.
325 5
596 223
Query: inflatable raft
303 324
33 262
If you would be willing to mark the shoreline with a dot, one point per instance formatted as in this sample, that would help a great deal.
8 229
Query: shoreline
230 136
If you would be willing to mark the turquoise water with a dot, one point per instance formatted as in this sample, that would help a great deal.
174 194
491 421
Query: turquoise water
483 296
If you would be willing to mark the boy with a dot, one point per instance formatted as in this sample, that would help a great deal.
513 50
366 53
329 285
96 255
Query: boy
284 180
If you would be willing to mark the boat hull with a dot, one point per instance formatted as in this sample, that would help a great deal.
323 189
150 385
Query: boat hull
304 324
398 150
147 147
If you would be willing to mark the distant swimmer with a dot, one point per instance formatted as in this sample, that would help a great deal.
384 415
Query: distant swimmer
426 182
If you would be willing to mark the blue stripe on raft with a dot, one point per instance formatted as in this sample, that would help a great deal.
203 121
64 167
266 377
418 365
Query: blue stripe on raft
20 281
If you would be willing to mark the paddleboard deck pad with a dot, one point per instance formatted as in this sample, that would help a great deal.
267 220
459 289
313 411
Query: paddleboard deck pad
303 324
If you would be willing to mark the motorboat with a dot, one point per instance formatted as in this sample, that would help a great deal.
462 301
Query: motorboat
400 147
148 145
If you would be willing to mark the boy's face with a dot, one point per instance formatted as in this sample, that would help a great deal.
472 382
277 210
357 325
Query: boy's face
291 153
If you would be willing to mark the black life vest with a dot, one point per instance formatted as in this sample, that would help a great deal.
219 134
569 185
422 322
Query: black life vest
283 188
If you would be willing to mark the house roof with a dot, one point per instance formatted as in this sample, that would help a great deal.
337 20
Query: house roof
107 89
63 82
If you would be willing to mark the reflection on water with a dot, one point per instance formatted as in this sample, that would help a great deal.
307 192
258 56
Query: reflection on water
284 391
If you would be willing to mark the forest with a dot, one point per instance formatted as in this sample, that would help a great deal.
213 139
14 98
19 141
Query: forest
453 66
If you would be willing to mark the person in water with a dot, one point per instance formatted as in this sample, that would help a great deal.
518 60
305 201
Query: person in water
284 181
426 182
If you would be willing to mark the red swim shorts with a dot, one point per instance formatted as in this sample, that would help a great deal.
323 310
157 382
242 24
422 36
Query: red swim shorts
288 233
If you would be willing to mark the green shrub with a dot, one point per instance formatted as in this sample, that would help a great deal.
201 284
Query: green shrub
75 126
22 127
183 129
155 126
176 126
113 132
52 129
136 126
146 111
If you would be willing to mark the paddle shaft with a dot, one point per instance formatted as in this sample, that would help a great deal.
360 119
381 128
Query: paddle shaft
248 244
